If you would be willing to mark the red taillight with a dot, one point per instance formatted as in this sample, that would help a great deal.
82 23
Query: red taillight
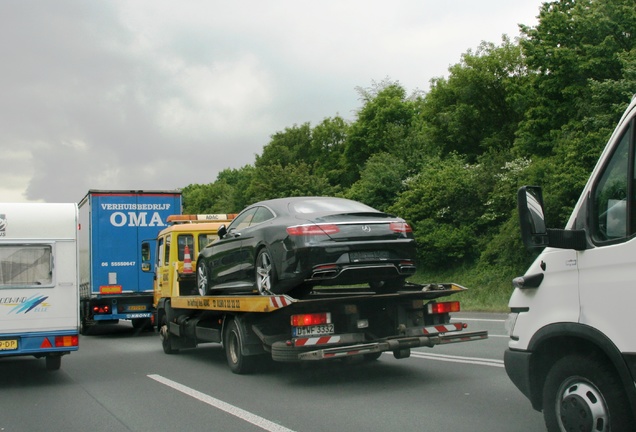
102 309
66 341
312 230
400 227
442 308
310 319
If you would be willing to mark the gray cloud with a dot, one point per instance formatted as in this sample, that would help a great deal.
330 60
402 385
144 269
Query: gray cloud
159 95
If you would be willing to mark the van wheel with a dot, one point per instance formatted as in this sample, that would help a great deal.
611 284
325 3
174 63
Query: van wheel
53 362
584 393
265 273
233 344
203 278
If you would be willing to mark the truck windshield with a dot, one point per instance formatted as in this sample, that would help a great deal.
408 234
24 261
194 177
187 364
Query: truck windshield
25 266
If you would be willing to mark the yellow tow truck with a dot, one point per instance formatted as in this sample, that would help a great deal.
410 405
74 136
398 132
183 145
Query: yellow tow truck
329 323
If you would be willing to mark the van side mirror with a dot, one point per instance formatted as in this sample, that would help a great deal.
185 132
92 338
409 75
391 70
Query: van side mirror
532 221
531 217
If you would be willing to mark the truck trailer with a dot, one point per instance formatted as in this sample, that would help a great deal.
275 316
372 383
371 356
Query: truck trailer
114 223
39 280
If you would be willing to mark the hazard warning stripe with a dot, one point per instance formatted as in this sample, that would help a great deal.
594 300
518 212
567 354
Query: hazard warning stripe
316 340
442 328
279 301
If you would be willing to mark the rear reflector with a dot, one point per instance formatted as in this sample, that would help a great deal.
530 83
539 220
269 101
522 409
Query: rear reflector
312 230
442 308
310 319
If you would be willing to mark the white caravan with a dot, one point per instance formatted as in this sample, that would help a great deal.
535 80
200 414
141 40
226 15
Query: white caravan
39 293
572 348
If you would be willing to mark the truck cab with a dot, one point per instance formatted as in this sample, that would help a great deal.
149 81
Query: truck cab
571 350
177 247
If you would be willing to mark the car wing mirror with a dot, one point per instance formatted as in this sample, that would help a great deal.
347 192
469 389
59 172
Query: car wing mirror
222 231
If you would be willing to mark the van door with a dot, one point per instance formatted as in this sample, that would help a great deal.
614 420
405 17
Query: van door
608 271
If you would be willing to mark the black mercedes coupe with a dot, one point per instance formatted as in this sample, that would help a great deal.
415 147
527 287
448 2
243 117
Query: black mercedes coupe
290 245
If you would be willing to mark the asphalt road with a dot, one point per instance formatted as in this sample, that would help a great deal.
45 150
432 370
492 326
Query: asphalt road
122 381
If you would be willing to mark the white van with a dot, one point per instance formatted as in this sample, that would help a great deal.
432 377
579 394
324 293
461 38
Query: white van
39 293
572 348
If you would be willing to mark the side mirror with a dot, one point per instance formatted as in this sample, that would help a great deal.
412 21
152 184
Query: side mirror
222 231
532 221
531 217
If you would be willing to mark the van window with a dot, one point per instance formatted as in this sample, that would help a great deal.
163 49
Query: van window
26 266
611 195
183 240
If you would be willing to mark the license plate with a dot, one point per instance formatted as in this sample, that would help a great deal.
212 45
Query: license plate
137 308
315 330
8 344
369 256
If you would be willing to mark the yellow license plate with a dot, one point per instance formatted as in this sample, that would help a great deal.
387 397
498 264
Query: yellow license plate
8 344
137 308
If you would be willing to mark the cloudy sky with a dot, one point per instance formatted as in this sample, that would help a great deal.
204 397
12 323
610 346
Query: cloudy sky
158 94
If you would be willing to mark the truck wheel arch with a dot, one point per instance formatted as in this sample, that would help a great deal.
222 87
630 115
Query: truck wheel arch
559 339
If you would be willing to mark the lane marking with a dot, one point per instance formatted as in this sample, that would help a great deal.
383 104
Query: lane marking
459 359
223 406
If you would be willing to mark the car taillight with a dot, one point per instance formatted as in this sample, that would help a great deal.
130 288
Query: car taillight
400 227
312 230
443 307
66 341
102 309
310 319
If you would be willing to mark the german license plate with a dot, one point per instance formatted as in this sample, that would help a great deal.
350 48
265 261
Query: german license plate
369 256
8 344
314 330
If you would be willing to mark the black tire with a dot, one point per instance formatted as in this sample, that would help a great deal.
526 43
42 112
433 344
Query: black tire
85 327
233 345
53 362
203 279
265 273
166 337
585 393
144 324
372 356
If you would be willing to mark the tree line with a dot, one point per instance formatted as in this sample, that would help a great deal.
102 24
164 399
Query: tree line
536 110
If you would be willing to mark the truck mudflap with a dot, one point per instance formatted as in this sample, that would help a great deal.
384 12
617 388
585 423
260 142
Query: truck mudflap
397 345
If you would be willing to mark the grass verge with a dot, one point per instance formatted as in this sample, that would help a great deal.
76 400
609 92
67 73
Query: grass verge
488 289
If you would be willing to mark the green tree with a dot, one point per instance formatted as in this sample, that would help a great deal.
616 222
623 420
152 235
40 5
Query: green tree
479 106
381 181
382 125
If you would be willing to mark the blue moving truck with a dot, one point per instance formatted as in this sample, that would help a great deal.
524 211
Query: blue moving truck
113 225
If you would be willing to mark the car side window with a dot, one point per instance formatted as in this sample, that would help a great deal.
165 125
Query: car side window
613 195
262 214
243 220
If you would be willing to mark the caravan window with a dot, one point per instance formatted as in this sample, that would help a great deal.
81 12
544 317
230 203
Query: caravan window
26 266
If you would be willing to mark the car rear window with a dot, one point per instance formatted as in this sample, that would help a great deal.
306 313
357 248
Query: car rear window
329 205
